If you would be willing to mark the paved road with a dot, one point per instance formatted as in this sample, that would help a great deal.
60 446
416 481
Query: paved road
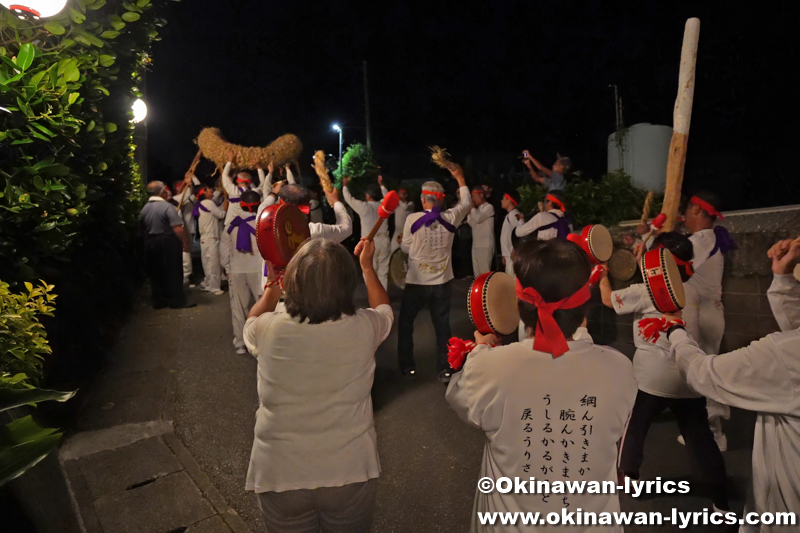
430 459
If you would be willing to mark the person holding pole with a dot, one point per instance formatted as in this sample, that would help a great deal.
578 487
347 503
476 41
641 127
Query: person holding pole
368 212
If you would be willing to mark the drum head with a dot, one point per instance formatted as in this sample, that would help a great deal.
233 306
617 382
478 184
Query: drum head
280 230
398 267
501 303
674 281
601 246
622 265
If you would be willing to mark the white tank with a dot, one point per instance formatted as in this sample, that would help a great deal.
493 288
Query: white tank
642 154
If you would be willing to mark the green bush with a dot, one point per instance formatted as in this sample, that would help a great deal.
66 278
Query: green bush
358 163
23 340
608 201
66 147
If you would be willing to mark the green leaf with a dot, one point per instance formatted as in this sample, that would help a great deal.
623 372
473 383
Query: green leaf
16 460
96 5
109 34
106 60
55 28
39 136
38 182
43 129
37 78
130 16
25 56
76 16
72 98
111 127
90 126
22 141
143 3
118 25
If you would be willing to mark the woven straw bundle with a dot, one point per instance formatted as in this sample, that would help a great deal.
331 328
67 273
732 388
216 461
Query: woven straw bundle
441 158
322 172
282 150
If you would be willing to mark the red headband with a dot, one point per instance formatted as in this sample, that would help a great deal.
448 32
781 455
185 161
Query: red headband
403 190
245 180
250 208
707 207
548 337
508 197
201 192
556 201
437 194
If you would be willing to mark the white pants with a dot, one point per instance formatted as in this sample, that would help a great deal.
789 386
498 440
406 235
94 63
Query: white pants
482 260
209 250
381 260
509 266
225 244
245 290
187 266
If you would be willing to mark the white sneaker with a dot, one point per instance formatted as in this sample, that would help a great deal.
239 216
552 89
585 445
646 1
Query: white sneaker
218 293
680 439
241 350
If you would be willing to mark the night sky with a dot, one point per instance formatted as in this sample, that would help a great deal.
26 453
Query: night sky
485 79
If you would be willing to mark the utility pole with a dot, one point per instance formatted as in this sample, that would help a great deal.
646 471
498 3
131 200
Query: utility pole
366 107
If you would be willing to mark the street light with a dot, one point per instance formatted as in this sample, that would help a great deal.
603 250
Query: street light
337 128
139 111
34 9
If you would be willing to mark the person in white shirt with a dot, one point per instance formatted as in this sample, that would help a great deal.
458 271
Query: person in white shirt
404 208
552 408
314 463
245 274
186 200
661 386
481 220
548 224
512 220
704 300
234 191
763 377
208 221
428 241
368 213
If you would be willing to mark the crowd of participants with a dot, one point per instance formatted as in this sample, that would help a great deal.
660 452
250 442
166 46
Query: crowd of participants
554 405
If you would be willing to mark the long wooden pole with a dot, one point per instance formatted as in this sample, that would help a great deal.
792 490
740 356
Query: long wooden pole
192 168
682 118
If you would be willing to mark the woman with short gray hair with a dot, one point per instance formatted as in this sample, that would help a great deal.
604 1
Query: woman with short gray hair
314 463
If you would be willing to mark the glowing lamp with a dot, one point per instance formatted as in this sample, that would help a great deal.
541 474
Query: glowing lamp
336 127
139 110
34 9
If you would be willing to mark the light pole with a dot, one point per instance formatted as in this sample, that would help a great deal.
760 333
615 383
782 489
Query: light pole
339 129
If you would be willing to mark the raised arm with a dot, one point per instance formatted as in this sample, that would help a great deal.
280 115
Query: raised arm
784 293
375 291
214 210
262 179
227 182
290 175
359 206
344 224
605 289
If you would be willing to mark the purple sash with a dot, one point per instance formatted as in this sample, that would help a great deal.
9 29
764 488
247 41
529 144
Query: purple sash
237 200
243 242
725 242
434 215
197 208
561 225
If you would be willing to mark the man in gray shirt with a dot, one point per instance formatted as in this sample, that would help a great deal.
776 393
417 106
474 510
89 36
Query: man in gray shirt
164 241
553 179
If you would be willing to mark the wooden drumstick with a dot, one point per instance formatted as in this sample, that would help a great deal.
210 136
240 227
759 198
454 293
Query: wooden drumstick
388 205
682 118
192 168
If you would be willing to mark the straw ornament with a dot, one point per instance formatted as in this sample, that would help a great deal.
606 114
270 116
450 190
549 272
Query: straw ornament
279 152
322 172
646 209
441 158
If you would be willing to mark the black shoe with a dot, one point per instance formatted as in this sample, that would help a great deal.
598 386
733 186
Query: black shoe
184 306
409 372
444 375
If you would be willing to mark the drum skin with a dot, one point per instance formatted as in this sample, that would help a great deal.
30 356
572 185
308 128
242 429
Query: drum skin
663 280
280 230
622 265
596 242
398 267
492 304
